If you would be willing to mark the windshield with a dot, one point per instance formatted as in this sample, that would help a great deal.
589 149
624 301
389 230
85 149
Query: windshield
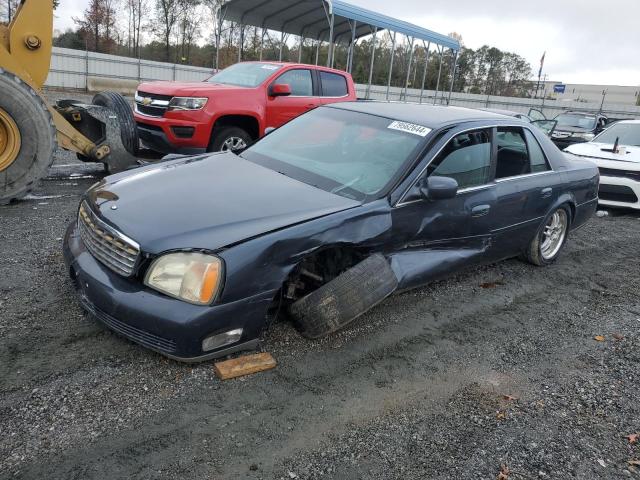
574 120
245 74
628 133
352 154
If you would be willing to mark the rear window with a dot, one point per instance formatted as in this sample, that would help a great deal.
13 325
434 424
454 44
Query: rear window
333 85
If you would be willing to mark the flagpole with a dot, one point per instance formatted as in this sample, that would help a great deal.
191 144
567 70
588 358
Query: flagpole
540 74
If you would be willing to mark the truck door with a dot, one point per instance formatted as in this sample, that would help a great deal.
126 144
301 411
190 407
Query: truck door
282 109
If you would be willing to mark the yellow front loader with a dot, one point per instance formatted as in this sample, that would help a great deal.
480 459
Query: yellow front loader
30 128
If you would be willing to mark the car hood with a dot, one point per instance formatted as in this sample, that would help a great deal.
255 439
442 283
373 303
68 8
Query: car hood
206 202
185 88
568 129
596 151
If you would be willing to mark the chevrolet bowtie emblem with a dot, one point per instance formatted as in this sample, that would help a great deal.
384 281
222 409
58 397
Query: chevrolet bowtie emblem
146 101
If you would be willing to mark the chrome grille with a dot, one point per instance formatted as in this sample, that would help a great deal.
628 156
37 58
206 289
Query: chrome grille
151 104
107 245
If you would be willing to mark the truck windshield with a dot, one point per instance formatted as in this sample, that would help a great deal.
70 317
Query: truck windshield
245 74
352 154
586 122
627 133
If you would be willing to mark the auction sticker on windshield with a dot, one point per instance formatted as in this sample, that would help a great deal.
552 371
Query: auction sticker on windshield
410 128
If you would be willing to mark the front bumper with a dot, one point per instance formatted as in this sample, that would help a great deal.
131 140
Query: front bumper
619 192
168 326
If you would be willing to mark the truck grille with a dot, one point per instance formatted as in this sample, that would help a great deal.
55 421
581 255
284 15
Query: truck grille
613 172
107 245
152 104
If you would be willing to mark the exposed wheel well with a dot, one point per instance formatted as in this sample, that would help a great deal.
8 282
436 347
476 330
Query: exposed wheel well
247 123
313 271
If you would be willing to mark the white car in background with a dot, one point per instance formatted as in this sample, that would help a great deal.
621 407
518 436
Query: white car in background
616 151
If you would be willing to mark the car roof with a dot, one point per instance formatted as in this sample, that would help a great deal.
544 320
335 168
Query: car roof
508 113
634 121
431 116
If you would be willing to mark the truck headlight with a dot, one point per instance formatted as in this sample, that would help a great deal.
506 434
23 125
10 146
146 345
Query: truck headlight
193 277
187 103
585 136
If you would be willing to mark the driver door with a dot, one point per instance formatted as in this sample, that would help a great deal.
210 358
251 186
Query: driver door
436 238
283 109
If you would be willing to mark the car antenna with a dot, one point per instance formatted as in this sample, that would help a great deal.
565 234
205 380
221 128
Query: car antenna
615 145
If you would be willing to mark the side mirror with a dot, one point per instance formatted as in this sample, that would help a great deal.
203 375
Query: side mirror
280 90
438 188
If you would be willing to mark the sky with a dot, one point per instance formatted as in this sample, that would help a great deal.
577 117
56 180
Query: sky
587 41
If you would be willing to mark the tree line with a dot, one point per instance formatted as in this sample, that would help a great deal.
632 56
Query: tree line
188 32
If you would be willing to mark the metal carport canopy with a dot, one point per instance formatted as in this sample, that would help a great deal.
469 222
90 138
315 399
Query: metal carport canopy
312 18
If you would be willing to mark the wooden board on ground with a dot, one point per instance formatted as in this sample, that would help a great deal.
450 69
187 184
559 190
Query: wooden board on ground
246 365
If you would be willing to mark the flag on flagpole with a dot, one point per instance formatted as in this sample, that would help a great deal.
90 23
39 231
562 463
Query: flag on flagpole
541 64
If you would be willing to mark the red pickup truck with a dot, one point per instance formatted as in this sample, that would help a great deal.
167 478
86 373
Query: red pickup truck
235 106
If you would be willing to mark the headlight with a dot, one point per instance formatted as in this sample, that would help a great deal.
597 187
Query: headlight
192 277
187 103
586 136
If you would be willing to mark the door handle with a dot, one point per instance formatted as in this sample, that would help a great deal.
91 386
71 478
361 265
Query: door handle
546 192
480 211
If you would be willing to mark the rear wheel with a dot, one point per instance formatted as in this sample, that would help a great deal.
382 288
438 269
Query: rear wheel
128 129
27 138
230 139
548 242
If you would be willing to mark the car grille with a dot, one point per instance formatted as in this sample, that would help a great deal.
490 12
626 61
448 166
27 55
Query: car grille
106 244
617 193
152 104
614 172
138 335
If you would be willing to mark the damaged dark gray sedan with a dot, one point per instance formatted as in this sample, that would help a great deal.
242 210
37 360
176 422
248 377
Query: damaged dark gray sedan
321 219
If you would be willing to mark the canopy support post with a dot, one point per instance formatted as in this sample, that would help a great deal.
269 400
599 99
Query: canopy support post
331 50
426 66
393 53
281 46
453 76
352 46
300 50
435 97
318 52
240 43
406 85
373 59
262 43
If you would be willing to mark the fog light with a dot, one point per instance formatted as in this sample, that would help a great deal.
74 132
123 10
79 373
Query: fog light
221 340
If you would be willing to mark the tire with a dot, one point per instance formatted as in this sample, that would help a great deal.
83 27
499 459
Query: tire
535 253
128 129
28 114
343 299
222 136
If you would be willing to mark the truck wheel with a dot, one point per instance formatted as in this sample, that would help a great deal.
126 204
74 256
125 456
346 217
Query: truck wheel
548 242
128 129
27 138
343 299
230 139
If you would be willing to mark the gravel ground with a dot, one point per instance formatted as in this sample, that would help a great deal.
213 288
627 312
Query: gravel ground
496 373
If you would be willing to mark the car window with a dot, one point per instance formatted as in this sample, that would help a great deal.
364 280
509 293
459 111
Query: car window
513 156
537 157
466 159
333 85
626 133
300 82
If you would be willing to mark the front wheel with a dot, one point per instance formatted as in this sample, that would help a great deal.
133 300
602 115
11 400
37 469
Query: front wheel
548 242
230 139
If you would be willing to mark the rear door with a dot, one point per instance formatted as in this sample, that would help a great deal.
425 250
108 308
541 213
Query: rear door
303 98
333 87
